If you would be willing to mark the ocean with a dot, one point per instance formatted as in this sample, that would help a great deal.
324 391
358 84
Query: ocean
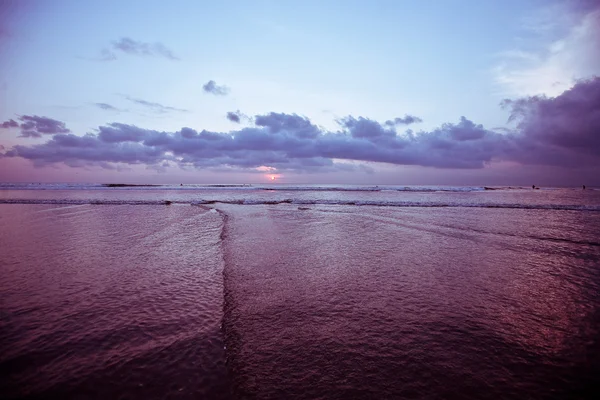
299 292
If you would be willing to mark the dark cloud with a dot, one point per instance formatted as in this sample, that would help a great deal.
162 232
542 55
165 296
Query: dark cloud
134 47
365 128
561 131
115 133
564 130
87 150
155 107
407 120
238 117
298 126
34 126
218 90
11 123
283 141
234 116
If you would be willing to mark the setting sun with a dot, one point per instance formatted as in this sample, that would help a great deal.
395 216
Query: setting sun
273 177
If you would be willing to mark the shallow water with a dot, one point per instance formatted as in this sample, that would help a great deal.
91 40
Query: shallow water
340 302
110 302
486 294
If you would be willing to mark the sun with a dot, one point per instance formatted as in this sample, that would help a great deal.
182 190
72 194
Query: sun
273 178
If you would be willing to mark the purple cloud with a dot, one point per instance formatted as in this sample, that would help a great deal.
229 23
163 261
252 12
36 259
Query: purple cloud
407 120
234 116
299 126
560 131
34 126
218 90
11 123
286 142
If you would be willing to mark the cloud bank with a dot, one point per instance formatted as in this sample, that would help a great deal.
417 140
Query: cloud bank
553 131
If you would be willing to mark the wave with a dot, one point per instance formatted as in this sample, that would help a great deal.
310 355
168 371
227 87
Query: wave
304 202
269 187
91 202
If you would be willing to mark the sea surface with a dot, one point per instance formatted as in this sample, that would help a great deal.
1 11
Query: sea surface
299 292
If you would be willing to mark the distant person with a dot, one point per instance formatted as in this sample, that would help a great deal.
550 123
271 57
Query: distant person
533 186
583 187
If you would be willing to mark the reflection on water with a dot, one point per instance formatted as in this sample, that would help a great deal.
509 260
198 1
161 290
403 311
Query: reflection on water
316 301
337 302
113 301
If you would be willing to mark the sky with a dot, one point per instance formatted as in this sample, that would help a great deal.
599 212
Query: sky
450 92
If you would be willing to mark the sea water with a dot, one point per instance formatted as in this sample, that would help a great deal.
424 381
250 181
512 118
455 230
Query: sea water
299 292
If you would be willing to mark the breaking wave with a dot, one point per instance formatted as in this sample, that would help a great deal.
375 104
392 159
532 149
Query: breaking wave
309 202
273 187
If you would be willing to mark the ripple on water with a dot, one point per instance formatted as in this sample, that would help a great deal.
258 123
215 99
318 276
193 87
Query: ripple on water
109 302
383 303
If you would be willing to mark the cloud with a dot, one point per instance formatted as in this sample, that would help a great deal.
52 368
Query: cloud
155 107
107 107
561 48
564 130
551 131
133 47
282 141
234 116
34 126
300 127
218 90
11 123
407 120
238 116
